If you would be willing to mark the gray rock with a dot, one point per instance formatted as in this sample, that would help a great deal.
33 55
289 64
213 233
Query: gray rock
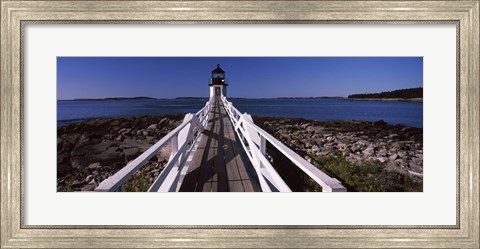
369 151
71 138
382 159
342 146
163 121
90 186
393 136
420 156
402 154
380 123
77 183
152 127
92 147
393 157
131 153
382 153
134 143
323 153
362 142
315 129
93 166
126 131
88 178
355 148
319 142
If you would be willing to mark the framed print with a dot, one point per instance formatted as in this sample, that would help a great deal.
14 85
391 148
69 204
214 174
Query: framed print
362 115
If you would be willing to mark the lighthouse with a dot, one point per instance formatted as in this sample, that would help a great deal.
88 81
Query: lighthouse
218 86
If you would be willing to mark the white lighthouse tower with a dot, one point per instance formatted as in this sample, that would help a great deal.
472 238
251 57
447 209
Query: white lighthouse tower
218 86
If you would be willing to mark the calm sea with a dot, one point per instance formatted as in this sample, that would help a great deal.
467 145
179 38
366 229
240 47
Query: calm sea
406 113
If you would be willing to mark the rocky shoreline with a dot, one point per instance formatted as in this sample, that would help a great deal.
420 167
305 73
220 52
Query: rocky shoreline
390 148
89 152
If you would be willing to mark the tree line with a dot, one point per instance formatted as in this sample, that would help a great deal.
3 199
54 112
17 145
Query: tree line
397 94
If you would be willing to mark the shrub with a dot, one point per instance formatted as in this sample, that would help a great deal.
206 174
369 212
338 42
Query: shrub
369 176
137 183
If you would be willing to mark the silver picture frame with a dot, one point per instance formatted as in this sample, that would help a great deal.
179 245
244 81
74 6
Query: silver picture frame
16 14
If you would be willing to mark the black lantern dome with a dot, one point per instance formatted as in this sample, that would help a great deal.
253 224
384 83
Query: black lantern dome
218 76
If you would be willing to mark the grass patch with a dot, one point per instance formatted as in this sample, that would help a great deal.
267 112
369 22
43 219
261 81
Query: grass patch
137 183
68 185
369 176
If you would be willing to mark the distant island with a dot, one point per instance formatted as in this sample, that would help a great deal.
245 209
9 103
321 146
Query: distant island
116 98
191 98
409 94
322 97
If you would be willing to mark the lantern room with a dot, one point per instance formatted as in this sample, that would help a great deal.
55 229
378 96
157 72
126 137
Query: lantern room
218 85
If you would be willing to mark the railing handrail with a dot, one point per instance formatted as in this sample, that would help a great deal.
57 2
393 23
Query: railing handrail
243 124
116 181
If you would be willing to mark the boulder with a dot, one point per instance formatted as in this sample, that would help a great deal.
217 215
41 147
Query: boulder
152 127
131 153
393 157
393 136
93 165
382 159
369 151
402 154
162 122
90 186
382 153
380 123
315 148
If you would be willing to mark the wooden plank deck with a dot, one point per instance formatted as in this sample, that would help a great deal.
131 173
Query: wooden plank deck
219 163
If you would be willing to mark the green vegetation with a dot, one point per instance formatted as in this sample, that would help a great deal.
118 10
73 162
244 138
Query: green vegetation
68 185
397 94
368 176
137 183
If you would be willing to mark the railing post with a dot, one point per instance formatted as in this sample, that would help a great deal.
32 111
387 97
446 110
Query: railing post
174 144
263 145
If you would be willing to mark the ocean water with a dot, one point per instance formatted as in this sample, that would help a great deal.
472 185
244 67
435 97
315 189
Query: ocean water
406 113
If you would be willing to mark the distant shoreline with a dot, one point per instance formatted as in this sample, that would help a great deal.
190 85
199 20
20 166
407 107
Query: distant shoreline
387 99
116 98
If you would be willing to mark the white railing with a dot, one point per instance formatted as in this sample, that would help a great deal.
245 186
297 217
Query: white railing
254 139
181 139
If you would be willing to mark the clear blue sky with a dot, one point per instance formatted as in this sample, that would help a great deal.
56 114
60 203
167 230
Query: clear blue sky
250 77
